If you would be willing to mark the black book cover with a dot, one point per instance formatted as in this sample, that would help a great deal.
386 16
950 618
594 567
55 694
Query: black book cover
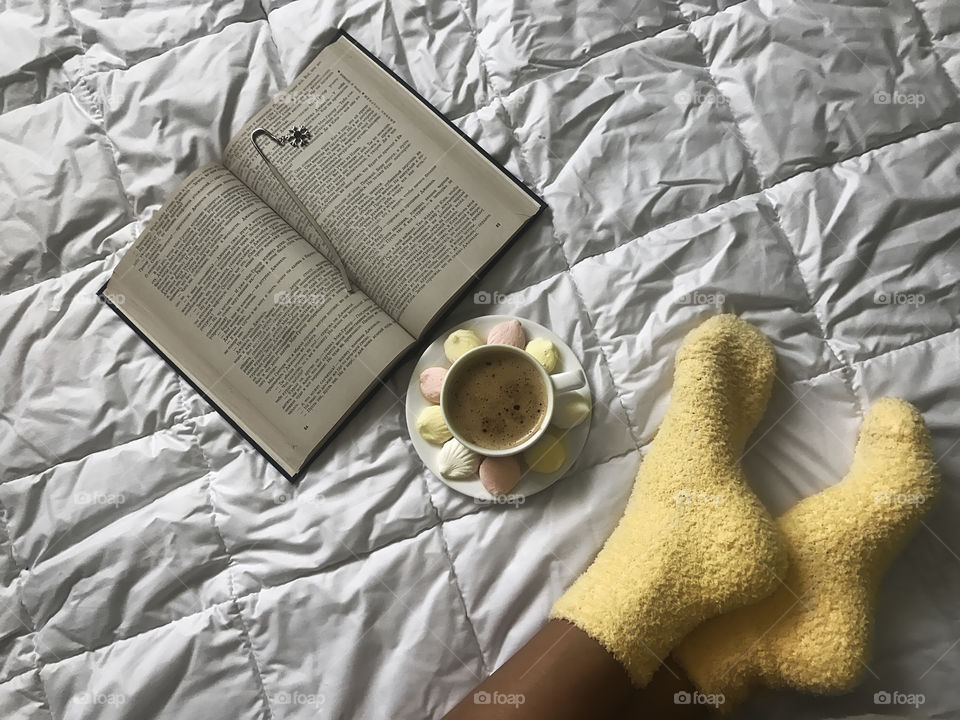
295 477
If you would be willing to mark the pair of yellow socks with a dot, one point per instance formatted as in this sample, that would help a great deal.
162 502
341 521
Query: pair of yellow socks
697 566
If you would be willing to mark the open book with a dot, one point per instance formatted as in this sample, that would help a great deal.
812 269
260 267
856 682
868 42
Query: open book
235 287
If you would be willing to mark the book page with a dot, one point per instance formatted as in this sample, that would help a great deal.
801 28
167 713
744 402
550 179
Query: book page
253 315
412 208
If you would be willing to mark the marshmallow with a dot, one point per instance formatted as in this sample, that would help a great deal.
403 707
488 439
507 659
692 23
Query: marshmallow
457 461
431 382
460 342
547 454
432 427
571 410
500 475
544 351
508 332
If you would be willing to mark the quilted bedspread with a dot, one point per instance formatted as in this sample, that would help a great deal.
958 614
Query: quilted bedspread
793 161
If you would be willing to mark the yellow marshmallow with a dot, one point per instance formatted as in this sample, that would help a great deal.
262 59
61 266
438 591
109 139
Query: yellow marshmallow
545 352
547 454
432 427
459 342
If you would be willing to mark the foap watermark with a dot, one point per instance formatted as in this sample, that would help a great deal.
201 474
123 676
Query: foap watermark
895 97
505 499
698 297
696 697
899 498
487 297
99 698
83 299
700 96
115 96
482 697
895 697
99 498
298 698
695 497
154 555
890 297
288 297
302 99
282 496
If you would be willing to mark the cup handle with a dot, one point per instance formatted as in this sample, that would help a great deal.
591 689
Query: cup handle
572 380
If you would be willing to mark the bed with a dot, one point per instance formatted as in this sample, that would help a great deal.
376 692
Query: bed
794 162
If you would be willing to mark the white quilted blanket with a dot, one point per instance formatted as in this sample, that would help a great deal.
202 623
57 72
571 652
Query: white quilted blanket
794 161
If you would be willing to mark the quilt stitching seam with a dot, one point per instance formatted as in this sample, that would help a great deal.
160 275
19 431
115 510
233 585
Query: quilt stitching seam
484 668
319 571
682 24
901 348
231 588
761 192
277 60
846 369
925 28
89 72
525 170
441 521
32 628
938 52
667 223
733 123
91 107
873 149
82 59
354 557
94 107
65 8
847 372
188 419
252 656
103 259
66 461
234 597
489 87
631 422
134 219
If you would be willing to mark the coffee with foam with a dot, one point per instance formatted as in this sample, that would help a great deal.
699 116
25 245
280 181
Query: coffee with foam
499 401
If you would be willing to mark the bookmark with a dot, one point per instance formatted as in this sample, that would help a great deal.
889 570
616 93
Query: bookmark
299 137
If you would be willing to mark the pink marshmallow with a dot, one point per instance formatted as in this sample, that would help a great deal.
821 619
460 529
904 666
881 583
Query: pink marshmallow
508 332
500 475
431 382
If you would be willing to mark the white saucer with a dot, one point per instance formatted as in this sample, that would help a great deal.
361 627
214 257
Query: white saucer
532 482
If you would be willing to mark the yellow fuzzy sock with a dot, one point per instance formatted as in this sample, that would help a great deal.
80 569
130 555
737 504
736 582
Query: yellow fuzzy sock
812 634
694 541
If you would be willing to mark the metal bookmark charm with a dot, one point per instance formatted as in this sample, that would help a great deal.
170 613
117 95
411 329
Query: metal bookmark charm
300 137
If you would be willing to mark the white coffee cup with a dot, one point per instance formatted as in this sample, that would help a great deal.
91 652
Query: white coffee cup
553 385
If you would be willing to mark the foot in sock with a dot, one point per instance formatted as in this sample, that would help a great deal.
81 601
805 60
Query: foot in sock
813 633
694 541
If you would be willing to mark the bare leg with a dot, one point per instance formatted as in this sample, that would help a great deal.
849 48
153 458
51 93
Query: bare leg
564 674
